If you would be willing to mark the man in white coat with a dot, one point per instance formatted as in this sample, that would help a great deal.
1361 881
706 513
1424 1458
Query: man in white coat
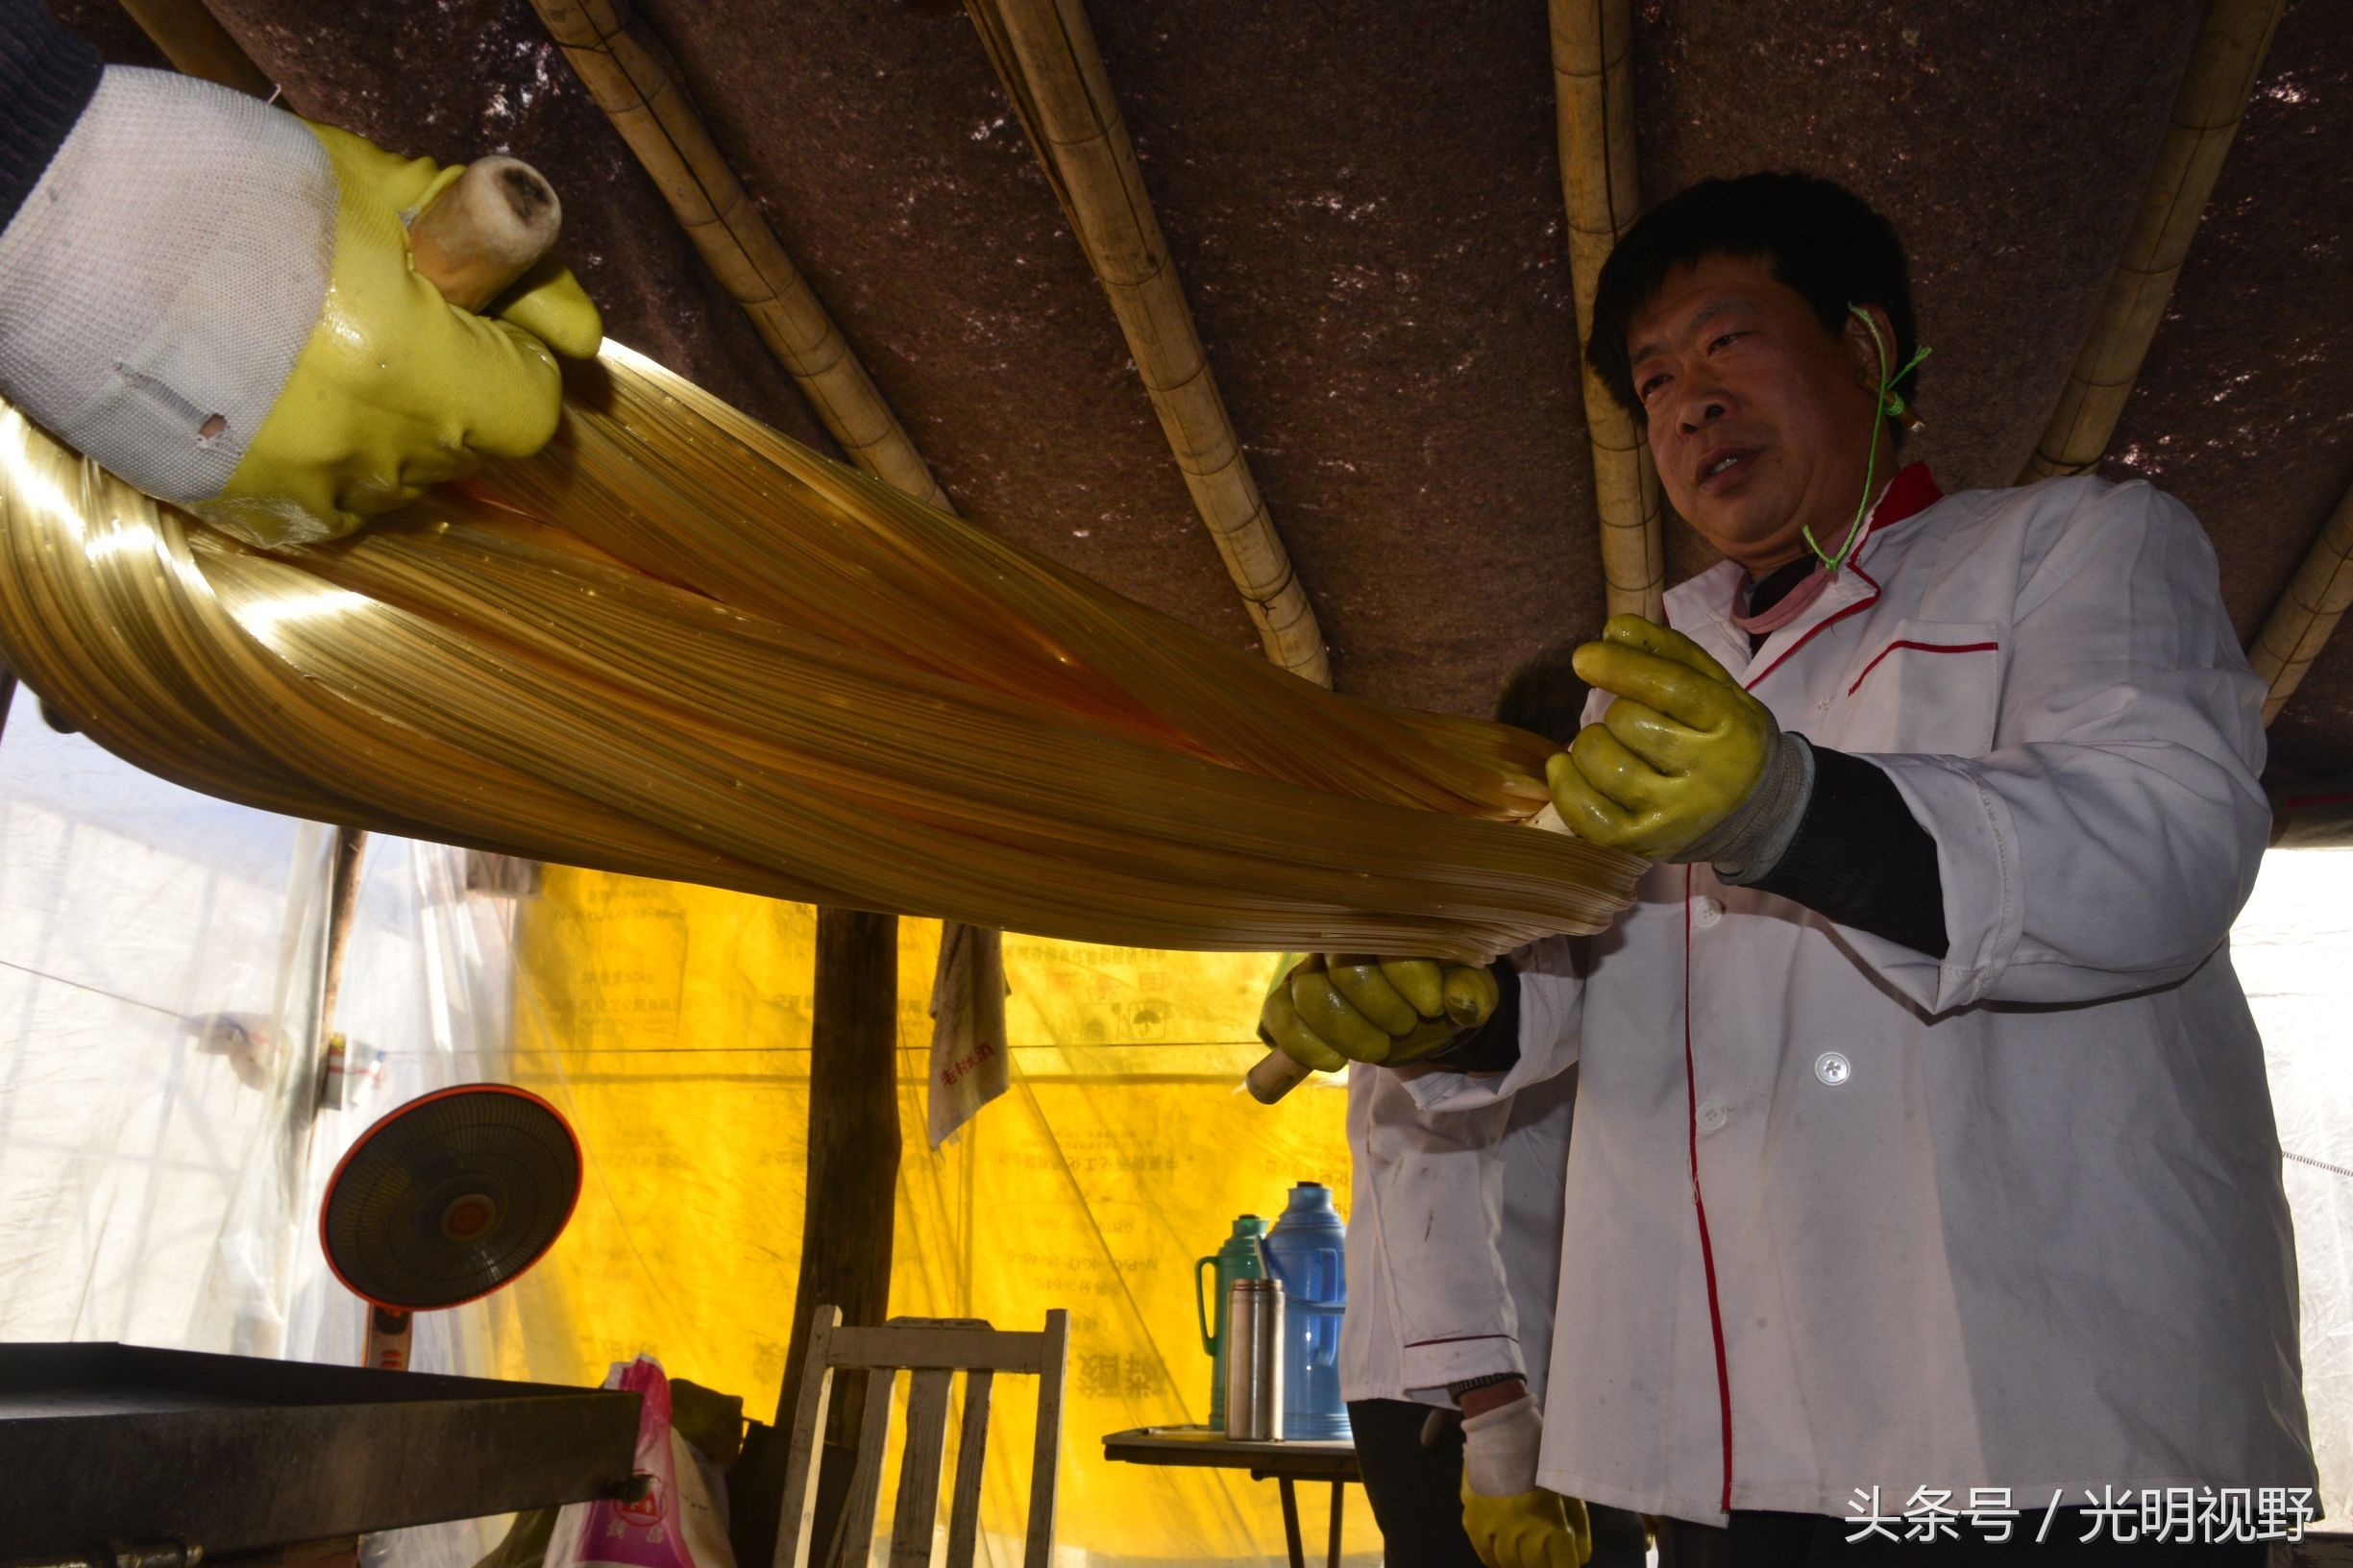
1425 1218
1924 1200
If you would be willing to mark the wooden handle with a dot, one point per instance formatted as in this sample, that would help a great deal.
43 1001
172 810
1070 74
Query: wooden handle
486 229
1275 1076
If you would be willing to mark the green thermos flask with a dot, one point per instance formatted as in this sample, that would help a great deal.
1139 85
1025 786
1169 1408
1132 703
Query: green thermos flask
1239 1258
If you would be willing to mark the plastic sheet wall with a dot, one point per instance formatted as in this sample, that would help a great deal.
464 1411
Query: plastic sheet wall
672 1024
161 1160
2293 949
158 959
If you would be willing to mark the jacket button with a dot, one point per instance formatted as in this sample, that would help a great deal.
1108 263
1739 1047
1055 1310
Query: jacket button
1832 1068
1713 1116
1705 913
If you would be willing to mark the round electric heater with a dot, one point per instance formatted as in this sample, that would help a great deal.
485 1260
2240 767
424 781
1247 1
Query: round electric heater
443 1200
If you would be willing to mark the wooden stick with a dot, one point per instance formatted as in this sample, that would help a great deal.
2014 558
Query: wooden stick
2206 113
1045 54
1275 1076
342 900
484 230
2315 598
632 78
1593 96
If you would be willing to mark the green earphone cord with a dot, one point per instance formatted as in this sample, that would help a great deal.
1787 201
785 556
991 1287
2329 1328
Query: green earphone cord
1888 405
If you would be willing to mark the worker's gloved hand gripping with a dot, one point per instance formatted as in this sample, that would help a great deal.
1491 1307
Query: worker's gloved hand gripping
1684 766
1511 1520
1334 1009
214 300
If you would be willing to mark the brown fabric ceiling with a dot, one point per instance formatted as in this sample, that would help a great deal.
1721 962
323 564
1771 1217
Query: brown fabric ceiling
1364 202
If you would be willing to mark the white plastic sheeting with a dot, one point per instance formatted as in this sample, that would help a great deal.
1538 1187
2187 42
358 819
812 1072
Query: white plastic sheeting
160 954
2293 948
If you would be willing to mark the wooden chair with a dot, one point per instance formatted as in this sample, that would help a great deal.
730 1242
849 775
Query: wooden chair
931 1351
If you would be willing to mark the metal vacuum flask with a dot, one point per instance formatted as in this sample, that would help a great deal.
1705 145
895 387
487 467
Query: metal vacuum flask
1255 1354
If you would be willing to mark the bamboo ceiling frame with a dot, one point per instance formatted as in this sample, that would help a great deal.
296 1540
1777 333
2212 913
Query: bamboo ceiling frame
2207 109
2309 609
196 44
626 71
1593 95
1045 55
630 75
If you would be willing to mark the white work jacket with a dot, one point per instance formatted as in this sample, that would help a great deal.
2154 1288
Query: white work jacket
1841 1215
1452 1255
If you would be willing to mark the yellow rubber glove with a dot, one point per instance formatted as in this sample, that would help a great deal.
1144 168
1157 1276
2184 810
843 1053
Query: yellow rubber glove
1533 1529
1679 753
396 390
1338 1007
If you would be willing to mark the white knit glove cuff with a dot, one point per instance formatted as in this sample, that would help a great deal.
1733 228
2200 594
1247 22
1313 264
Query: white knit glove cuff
1499 1449
159 282
1747 845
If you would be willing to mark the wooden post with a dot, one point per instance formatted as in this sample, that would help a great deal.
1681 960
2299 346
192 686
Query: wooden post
853 1169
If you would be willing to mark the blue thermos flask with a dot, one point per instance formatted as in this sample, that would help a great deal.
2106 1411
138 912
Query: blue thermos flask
1236 1259
1306 1252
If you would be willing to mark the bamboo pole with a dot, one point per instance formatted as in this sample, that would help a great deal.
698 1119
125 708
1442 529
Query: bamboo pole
633 80
1593 96
193 39
2315 600
343 899
1045 54
2206 114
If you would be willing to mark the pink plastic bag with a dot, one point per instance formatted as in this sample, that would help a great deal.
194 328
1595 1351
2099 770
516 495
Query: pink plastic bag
678 1524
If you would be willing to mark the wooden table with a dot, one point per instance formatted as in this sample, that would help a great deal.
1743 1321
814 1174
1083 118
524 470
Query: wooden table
1284 1463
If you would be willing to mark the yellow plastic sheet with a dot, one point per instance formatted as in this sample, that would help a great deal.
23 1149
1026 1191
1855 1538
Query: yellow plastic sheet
671 1023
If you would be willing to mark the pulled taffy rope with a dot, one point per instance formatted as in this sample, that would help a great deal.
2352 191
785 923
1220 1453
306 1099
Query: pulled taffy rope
679 645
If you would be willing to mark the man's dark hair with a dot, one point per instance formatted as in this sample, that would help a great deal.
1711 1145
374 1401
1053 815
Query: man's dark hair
1817 237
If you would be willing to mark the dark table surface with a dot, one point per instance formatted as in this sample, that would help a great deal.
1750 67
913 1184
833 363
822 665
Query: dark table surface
1209 1448
129 1443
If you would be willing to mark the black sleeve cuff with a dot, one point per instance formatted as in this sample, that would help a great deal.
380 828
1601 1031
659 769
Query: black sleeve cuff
1862 859
1494 1047
47 77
